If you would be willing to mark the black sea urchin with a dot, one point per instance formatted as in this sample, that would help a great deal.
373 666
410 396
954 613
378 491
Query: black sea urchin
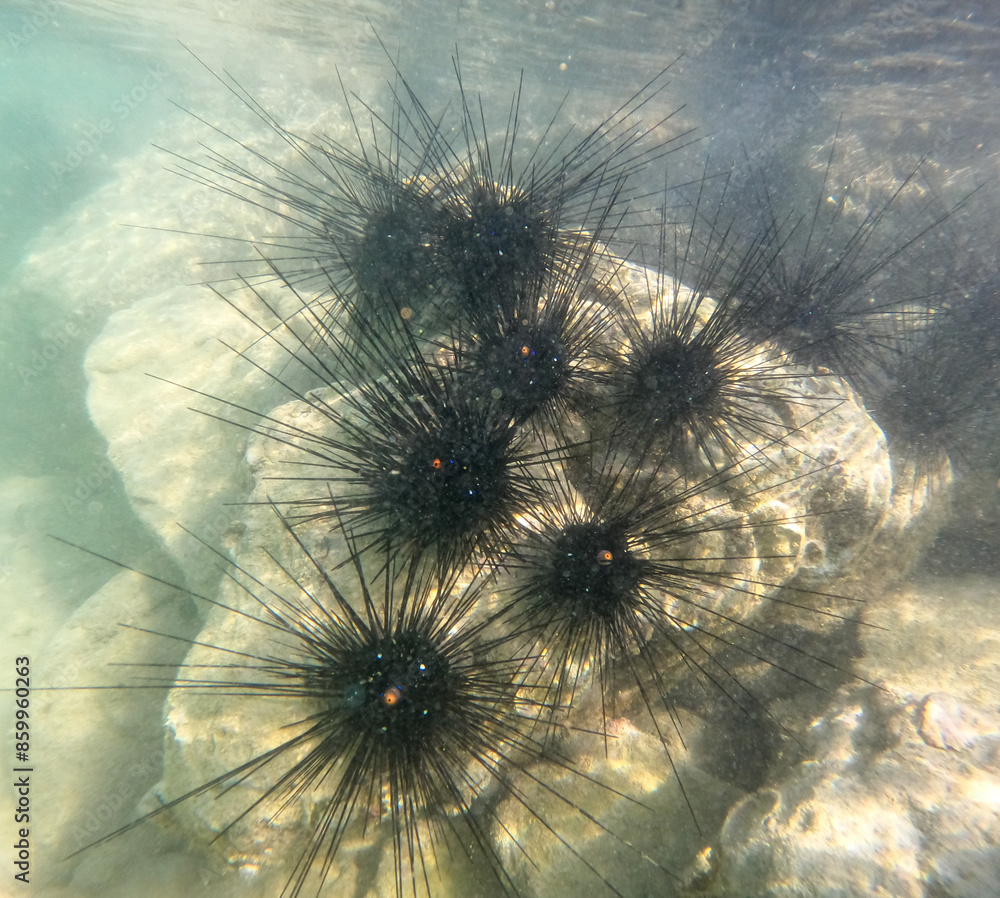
516 217
540 354
411 431
358 216
689 377
829 289
399 448
936 395
629 579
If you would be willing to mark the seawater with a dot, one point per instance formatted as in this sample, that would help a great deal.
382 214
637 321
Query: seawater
87 88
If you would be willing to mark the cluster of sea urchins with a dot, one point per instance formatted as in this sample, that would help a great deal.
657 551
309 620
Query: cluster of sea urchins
529 485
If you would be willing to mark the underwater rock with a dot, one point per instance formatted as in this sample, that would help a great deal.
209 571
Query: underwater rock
102 273
946 723
28 504
811 513
115 738
898 793
177 467
647 834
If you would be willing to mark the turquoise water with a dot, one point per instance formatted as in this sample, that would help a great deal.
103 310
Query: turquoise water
87 88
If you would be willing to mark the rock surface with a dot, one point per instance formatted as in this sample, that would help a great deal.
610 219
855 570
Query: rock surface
899 794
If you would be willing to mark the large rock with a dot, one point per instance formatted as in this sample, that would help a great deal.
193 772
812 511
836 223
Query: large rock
899 794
